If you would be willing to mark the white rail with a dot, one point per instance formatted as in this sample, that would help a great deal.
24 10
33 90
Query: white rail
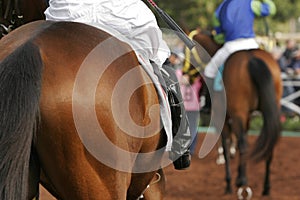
287 101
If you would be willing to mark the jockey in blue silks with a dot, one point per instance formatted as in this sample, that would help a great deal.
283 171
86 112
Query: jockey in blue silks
233 23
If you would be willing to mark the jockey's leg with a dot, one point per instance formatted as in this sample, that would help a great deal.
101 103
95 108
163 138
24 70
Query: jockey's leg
179 154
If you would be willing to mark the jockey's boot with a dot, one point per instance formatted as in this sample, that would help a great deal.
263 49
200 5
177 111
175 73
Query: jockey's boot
179 154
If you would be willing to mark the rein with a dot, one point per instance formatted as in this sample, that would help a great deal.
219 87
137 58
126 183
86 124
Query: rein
193 64
193 53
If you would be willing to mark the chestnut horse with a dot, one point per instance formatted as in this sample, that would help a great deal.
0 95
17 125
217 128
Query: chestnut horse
75 116
252 82
14 13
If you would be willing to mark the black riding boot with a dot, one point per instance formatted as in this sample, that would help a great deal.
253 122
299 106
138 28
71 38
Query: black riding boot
180 154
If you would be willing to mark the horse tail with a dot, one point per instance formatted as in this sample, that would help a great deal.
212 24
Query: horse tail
270 133
20 83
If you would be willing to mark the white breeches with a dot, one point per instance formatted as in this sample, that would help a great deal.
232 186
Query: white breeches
223 53
129 20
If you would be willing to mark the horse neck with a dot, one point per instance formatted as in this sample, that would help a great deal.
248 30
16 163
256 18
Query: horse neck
207 43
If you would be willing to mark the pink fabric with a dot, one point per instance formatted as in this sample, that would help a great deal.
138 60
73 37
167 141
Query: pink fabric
190 93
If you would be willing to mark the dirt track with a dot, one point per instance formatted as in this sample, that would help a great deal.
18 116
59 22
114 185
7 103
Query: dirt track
205 179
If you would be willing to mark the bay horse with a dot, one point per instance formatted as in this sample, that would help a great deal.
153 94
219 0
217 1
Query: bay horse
75 116
252 82
14 13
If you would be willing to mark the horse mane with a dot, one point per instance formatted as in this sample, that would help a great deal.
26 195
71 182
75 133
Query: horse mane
20 82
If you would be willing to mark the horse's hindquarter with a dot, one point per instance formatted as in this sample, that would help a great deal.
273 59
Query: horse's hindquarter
274 69
74 88
236 76
238 85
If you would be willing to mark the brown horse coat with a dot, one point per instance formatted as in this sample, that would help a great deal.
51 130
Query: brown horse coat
70 170
251 82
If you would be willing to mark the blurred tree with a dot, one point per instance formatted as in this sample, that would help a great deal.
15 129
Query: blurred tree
189 14
193 13
286 10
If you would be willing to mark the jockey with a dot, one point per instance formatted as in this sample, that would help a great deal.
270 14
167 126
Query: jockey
135 22
233 22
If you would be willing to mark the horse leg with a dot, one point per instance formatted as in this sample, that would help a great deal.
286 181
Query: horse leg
242 146
140 183
267 185
226 153
242 178
157 188
232 146
220 159
218 117
218 121
240 127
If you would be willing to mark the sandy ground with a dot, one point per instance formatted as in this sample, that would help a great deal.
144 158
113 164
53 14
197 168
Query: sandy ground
205 179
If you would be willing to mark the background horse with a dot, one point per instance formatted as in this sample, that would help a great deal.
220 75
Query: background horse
252 82
14 13
62 87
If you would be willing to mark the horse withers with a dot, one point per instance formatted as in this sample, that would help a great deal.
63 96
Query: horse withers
252 82
78 114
